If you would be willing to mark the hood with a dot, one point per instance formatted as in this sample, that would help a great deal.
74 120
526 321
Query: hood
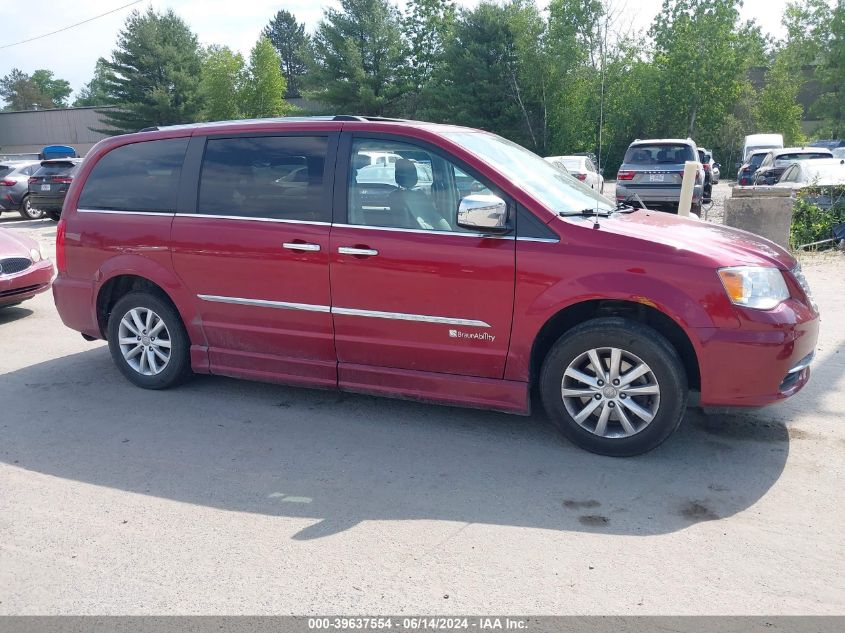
723 245
13 244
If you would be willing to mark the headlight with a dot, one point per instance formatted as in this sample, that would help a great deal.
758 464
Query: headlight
35 255
754 287
41 251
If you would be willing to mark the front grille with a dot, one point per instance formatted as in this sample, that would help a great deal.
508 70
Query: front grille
12 265
18 291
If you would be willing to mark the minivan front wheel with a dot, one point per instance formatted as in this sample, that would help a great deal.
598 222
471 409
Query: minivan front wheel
148 342
614 387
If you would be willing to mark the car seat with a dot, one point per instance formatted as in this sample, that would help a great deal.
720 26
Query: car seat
413 204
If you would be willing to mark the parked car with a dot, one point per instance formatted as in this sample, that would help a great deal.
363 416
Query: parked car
652 172
14 190
745 175
582 168
776 160
830 144
177 248
822 180
559 164
25 271
754 142
48 186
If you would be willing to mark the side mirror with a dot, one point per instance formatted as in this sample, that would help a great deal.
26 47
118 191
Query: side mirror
485 213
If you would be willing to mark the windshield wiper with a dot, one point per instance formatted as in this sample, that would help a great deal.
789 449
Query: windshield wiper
586 213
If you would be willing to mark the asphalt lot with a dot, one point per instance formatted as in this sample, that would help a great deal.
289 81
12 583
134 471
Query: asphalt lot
234 497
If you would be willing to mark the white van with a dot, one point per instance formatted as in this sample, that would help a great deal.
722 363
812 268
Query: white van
760 141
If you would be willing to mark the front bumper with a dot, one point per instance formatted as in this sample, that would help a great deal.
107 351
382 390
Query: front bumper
763 361
26 284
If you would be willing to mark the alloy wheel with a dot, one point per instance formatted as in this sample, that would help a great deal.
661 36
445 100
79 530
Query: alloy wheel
144 341
610 392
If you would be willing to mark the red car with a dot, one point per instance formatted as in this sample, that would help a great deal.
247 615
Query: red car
24 269
468 271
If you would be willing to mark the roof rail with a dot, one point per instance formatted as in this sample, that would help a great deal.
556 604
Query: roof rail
149 129
355 117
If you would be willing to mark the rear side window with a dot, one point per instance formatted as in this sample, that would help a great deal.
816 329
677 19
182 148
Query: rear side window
136 177
657 154
270 177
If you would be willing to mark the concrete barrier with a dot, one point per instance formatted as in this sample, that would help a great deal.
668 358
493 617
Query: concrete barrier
766 211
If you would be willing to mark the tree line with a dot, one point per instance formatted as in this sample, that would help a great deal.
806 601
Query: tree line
573 77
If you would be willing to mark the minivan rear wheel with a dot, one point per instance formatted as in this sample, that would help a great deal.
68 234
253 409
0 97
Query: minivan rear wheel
614 387
148 342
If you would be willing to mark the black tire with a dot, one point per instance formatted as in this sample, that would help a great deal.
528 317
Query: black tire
633 338
28 212
55 216
178 368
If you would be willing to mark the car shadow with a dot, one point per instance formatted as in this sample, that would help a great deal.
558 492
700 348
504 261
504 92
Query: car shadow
13 313
341 459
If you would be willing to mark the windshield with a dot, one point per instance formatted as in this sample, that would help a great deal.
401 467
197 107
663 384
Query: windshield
554 189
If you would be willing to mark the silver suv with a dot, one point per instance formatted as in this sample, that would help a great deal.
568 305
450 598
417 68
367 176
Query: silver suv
652 171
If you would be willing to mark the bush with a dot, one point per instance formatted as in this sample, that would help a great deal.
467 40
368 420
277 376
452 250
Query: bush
810 223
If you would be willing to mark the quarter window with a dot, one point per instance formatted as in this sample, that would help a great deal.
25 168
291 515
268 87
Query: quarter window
271 177
394 184
137 177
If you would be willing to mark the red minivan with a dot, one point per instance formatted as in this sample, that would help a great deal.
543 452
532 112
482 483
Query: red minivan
422 261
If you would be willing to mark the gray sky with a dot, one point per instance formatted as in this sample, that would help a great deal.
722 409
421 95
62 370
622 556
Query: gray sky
71 55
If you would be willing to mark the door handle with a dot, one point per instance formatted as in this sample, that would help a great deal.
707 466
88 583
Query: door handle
351 250
301 246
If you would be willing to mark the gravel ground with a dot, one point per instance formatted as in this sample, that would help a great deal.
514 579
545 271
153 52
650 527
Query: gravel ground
232 497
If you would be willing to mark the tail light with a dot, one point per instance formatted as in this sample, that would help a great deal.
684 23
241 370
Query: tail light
32 180
581 177
61 260
8 183
62 180
625 175
706 166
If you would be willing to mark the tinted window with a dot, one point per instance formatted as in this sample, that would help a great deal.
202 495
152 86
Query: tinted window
802 156
136 177
275 177
659 153
5 171
56 169
756 159
399 185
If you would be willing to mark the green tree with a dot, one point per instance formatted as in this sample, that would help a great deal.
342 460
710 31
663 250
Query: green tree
263 95
38 91
359 58
154 73
807 25
701 57
427 27
21 93
293 45
58 90
778 109
94 93
831 74
222 83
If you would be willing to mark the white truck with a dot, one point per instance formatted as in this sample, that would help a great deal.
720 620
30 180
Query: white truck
760 141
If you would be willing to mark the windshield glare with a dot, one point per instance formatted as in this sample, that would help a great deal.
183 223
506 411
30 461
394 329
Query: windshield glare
559 192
